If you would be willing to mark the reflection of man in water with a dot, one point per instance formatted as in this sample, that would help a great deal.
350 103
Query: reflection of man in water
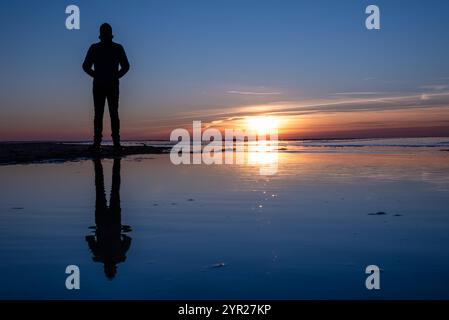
110 243
105 57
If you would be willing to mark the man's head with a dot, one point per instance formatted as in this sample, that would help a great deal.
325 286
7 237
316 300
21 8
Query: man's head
106 32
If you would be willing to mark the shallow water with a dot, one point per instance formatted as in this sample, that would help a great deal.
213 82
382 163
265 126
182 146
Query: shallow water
230 231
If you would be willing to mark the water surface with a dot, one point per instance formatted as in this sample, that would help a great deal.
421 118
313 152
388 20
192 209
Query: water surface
160 231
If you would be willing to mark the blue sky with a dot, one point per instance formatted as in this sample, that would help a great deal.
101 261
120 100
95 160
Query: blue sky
197 56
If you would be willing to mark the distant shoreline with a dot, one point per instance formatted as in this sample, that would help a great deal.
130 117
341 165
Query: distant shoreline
168 140
12 153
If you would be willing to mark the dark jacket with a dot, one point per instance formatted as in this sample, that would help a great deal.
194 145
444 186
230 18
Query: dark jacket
106 58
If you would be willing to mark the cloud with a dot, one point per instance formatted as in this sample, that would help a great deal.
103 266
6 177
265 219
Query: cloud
424 97
361 93
433 106
333 105
384 103
435 87
254 93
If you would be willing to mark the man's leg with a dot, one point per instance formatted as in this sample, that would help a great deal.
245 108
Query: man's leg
114 201
99 101
113 97
100 194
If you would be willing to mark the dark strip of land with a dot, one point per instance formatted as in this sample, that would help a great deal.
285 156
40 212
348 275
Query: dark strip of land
34 152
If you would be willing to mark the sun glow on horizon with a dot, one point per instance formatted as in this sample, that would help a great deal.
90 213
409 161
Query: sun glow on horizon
263 125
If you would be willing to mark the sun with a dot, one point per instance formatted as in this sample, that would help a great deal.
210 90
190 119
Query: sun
263 125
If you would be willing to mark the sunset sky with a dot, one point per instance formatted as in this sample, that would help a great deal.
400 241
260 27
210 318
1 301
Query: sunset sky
311 64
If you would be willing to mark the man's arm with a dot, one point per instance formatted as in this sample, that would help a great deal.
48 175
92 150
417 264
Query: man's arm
88 63
124 63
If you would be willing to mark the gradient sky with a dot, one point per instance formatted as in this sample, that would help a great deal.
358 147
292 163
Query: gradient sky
312 63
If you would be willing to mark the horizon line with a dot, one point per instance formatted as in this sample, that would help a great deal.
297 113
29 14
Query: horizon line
168 140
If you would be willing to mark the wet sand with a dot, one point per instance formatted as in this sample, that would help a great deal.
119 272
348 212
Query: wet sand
308 231
34 152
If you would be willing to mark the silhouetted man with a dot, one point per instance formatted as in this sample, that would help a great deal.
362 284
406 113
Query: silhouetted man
106 57
110 243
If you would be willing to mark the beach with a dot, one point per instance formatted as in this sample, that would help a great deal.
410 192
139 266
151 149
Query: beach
307 231
35 152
